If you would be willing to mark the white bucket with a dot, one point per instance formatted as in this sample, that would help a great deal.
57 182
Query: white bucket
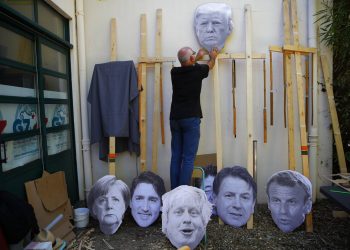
81 217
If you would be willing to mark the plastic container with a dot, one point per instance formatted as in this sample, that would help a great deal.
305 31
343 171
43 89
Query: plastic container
81 217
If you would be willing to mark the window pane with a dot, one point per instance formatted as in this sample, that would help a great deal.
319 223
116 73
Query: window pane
25 7
55 25
55 87
53 59
56 115
14 82
20 152
16 118
16 47
58 142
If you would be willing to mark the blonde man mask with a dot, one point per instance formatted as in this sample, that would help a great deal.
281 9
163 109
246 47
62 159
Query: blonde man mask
186 213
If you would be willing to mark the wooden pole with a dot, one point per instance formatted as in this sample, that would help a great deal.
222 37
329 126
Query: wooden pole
289 87
265 109
301 107
234 98
249 103
284 92
159 54
334 116
112 140
143 95
271 90
307 91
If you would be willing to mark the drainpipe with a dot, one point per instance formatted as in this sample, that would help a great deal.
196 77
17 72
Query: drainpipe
313 131
83 95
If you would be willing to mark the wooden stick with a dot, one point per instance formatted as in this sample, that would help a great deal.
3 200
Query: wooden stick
307 91
265 118
113 39
143 95
249 104
161 107
284 92
312 89
301 103
271 90
334 115
234 98
112 140
289 88
158 54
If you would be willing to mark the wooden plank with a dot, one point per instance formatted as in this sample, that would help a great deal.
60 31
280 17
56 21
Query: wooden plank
234 110
307 90
158 54
156 118
112 140
301 107
217 109
334 115
113 39
143 118
239 56
265 109
249 103
143 35
143 95
145 59
298 48
271 90
289 88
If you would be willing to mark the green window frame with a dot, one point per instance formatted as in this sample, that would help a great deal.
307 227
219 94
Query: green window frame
53 91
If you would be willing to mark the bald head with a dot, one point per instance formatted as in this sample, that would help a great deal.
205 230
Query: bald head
184 55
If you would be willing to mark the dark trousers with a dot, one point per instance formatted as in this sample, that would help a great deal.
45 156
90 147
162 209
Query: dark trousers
185 135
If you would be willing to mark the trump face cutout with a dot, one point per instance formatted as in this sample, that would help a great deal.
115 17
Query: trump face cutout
213 24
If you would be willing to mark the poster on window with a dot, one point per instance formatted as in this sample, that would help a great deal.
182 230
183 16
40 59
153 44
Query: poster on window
15 118
21 152
58 142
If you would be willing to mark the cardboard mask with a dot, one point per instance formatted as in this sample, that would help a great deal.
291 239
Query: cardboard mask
107 202
289 199
146 192
186 213
235 195
213 24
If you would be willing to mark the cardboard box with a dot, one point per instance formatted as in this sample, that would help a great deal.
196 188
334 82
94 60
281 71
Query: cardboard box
49 197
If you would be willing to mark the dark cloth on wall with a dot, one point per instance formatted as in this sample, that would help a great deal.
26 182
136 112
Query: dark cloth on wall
17 217
187 85
114 99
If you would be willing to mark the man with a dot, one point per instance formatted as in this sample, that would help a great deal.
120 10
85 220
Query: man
108 200
186 213
213 24
146 192
289 199
186 112
235 195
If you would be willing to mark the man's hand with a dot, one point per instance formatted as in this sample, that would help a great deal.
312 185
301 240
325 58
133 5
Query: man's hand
213 53
212 57
200 54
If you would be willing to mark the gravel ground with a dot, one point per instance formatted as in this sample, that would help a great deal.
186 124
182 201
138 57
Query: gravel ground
329 233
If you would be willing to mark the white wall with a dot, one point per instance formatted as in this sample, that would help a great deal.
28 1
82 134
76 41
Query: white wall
178 32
